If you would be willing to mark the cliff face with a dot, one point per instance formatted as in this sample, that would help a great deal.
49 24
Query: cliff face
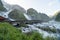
57 16
2 6
13 11
17 13
37 16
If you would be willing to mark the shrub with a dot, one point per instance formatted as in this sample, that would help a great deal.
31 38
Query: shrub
50 38
36 36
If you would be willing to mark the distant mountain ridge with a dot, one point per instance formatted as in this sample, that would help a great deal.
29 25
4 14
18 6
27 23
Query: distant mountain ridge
19 13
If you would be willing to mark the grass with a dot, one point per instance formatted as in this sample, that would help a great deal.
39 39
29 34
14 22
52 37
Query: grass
8 32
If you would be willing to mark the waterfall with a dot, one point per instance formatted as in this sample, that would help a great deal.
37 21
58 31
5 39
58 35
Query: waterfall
34 27
6 5
5 14
27 16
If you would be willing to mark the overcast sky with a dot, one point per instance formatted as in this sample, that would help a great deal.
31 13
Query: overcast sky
48 7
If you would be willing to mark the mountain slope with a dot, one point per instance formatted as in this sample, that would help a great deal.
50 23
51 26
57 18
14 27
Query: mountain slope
2 6
37 16
16 15
57 16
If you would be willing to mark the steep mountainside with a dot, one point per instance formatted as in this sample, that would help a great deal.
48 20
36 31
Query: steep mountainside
37 16
16 15
2 7
57 16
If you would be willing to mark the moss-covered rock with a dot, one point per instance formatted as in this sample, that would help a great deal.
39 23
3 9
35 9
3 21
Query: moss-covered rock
37 16
17 15
32 13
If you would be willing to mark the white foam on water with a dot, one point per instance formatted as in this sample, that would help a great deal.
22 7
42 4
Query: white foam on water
33 28
27 17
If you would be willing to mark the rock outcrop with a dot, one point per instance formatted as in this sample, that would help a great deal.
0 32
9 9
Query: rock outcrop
16 15
37 16
57 16
2 8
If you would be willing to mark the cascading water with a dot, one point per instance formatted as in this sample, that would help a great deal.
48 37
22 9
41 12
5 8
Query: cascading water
5 14
51 24
34 27
27 17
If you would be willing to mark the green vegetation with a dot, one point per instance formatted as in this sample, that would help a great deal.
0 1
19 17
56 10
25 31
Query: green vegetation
50 38
8 32
33 13
17 15
36 36
23 25
1 7
37 16
48 29
57 16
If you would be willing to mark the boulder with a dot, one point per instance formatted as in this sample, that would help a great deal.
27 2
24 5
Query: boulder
32 13
43 17
16 15
37 16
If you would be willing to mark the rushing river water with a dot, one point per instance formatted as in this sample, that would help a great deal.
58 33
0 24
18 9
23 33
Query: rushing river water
34 27
51 24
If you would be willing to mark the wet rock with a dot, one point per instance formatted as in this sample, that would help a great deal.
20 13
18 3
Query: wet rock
58 30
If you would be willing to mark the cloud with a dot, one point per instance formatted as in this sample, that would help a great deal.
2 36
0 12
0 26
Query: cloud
53 2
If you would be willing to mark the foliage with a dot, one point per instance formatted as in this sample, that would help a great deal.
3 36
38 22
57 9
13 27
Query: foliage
31 11
8 32
57 17
50 38
48 29
1 7
36 36
17 15
37 16
23 25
